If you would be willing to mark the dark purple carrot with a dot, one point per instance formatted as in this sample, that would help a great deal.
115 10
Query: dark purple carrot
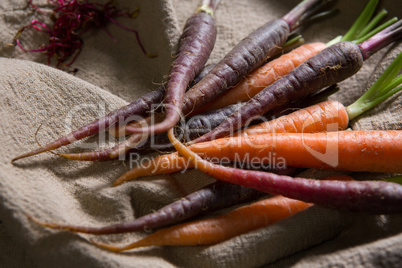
369 196
330 66
138 108
215 196
196 44
245 57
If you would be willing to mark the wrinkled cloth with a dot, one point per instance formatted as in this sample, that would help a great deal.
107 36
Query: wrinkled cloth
41 101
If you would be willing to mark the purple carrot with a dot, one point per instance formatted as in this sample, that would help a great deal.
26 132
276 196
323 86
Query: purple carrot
330 66
215 196
245 57
196 44
378 197
140 108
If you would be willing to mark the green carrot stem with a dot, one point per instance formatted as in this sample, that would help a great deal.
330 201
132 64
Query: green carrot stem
335 40
370 26
322 15
361 21
386 86
396 179
360 107
293 41
384 80
362 28
376 30
208 6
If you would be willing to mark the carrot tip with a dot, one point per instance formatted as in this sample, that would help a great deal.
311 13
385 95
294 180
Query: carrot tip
42 223
69 156
120 181
32 153
106 246
22 156
128 176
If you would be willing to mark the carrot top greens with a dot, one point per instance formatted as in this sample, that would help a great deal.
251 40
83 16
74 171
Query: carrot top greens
72 18
396 179
363 27
386 85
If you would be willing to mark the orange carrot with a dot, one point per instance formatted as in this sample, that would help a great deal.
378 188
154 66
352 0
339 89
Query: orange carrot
217 229
325 116
264 76
372 196
372 151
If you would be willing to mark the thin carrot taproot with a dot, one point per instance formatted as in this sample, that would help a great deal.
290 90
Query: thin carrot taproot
138 107
245 57
330 66
379 197
218 229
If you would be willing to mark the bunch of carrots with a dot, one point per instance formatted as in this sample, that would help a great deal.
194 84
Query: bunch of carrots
265 84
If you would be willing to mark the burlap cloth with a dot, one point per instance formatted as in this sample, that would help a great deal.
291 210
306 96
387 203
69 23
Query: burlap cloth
110 75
